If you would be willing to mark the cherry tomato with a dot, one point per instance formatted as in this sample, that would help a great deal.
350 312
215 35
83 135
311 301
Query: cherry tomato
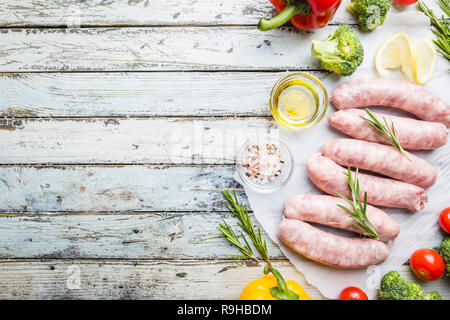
427 264
444 219
352 293
405 2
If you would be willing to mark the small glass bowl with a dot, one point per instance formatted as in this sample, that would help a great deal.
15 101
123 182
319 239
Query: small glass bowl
279 181
314 85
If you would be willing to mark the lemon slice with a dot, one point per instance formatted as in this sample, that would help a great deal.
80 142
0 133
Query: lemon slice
397 51
426 61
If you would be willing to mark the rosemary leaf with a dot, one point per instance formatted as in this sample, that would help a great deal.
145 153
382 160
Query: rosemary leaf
246 224
229 235
440 27
388 131
357 209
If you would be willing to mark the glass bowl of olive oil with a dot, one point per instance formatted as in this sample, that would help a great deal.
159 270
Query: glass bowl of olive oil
298 101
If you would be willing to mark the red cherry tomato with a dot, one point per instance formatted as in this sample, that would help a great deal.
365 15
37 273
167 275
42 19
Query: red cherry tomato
427 264
444 219
352 293
405 2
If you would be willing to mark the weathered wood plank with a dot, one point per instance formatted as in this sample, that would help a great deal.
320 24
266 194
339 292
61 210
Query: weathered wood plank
119 236
154 235
157 49
114 188
150 141
137 94
57 279
135 12
137 279
147 13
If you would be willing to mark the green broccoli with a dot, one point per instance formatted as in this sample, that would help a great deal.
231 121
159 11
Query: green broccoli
394 287
444 251
371 13
342 52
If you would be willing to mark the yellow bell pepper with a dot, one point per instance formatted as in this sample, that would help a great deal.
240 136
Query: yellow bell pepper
273 287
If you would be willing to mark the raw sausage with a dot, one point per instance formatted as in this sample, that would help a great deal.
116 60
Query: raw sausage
412 134
323 209
396 93
330 249
329 177
382 159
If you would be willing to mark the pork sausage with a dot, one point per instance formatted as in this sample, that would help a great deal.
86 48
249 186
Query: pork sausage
330 249
412 134
329 177
323 209
396 93
382 159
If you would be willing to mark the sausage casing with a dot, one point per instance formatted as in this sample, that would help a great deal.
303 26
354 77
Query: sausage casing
323 209
412 134
330 249
382 159
329 177
396 93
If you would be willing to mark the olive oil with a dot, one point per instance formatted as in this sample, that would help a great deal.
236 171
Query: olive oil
296 103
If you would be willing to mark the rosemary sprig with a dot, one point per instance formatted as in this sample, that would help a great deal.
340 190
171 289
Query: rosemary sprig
358 209
441 27
228 234
246 224
375 123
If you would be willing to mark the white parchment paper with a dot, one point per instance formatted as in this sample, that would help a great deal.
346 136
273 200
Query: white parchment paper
415 228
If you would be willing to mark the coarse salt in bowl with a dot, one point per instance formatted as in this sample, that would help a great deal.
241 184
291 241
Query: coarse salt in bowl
264 164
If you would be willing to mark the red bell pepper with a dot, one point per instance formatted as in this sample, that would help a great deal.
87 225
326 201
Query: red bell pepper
304 14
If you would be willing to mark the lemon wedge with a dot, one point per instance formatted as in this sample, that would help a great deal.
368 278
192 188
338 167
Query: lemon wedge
418 63
397 51
426 61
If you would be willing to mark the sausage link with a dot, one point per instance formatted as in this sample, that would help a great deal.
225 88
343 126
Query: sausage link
323 209
396 93
412 134
329 177
330 249
382 159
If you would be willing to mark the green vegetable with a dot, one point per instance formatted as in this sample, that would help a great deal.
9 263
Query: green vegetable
246 224
441 27
293 8
444 251
358 211
342 52
371 13
388 131
394 287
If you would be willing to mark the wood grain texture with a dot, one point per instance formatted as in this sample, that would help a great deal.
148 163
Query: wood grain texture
152 235
114 188
157 49
21 13
136 279
137 94
176 235
132 12
145 141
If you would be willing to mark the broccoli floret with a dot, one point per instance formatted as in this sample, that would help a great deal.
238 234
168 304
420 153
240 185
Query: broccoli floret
433 295
394 287
342 52
444 251
371 13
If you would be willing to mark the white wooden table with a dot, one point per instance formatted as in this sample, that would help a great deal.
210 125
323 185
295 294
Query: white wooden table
94 201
